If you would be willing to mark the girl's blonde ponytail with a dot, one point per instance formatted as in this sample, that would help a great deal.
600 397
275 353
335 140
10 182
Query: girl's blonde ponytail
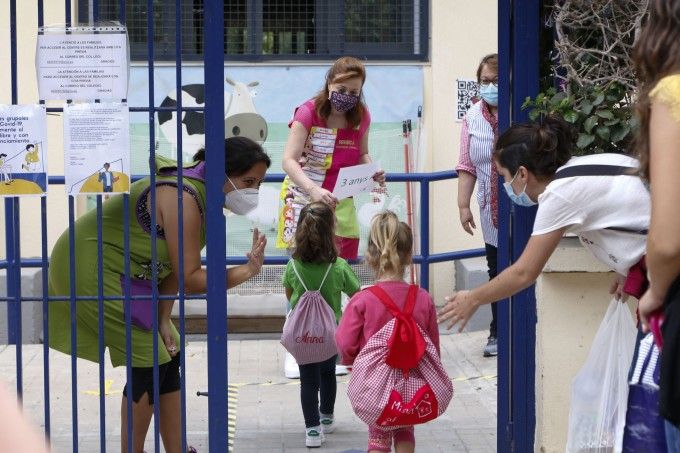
390 245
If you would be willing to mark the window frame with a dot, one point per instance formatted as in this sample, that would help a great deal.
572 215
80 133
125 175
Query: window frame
415 49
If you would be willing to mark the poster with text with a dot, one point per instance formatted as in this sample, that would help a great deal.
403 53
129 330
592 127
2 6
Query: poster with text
23 150
82 64
97 148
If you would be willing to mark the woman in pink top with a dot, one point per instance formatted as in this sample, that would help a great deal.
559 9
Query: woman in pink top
389 252
327 133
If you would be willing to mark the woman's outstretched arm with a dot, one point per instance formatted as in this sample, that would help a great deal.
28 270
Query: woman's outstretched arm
523 273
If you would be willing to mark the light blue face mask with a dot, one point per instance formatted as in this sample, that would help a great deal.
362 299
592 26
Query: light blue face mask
489 93
521 199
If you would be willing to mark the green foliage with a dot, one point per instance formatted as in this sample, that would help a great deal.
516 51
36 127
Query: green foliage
602 115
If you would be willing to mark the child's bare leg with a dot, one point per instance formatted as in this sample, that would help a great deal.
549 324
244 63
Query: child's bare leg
404 447
379 440
404 440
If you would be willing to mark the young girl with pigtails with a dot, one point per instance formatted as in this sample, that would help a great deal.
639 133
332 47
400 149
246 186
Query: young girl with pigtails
389 252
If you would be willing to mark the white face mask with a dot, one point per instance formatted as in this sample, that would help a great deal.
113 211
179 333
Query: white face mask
241 201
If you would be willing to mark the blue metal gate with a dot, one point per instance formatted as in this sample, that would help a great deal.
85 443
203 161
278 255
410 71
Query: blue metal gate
518 24
217 326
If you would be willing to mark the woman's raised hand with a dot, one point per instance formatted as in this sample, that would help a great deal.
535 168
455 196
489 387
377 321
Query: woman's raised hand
459 308
256 254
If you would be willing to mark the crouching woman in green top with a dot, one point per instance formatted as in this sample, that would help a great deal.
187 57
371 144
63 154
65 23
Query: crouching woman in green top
245 167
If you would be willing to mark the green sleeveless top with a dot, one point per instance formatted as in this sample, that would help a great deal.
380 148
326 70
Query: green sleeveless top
141 265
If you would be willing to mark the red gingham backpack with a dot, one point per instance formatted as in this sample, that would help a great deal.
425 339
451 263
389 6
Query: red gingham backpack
398 378
309 330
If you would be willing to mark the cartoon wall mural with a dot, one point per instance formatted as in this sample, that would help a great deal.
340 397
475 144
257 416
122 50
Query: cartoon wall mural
193 126
240 116
259 103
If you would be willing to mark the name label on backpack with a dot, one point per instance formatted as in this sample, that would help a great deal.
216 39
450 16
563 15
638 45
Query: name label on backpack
307 338
422 407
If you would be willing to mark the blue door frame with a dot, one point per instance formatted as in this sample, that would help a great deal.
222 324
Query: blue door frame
519 23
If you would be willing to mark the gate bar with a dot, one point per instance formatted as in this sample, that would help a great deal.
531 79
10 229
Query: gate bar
213 63
150 32
180 224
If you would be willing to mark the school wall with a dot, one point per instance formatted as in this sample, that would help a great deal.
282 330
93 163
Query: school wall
571 293
458 40
462 33
57 211
572 296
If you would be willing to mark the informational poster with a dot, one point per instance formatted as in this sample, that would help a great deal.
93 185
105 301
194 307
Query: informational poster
97 148
354 180
23 150
82 64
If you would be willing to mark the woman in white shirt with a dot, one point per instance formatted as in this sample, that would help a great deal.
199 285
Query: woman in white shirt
599 198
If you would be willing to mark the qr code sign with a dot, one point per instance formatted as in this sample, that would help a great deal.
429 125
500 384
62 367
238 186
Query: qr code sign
467 94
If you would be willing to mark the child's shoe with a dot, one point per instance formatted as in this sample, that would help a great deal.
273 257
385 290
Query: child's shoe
314 437
327 423
340 370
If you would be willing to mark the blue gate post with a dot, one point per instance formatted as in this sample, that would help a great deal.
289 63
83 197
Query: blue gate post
519 23
180 225
12 231
213 63
504 400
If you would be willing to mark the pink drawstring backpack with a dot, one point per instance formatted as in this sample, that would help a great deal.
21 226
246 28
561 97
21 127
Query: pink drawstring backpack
309 331
398 378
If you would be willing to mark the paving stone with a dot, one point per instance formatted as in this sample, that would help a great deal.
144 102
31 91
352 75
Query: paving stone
268 413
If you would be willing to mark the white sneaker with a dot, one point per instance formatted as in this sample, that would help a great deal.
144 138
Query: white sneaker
327 425
314 437
290 367
340 370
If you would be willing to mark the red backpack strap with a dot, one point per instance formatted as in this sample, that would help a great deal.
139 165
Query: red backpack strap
389 304
382 295
410 300
406 345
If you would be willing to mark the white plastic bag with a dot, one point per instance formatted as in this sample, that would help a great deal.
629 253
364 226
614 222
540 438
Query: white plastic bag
599 392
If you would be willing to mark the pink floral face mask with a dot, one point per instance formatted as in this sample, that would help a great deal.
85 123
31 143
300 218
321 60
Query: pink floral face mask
343 102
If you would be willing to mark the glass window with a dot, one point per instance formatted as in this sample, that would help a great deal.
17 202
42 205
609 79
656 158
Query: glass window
281 29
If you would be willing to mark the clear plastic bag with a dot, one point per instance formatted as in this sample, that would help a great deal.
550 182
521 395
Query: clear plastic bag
599 392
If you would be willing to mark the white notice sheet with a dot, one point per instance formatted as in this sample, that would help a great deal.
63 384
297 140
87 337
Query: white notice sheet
97 148
82 65
354 180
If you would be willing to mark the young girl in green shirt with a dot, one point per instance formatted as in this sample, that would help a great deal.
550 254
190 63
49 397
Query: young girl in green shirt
315 250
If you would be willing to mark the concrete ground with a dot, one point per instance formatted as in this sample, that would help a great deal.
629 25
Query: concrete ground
266 405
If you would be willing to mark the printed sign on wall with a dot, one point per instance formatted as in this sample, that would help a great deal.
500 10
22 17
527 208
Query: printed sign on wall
97 148
23 150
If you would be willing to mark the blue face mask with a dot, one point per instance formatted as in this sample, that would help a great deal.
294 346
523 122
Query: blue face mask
521 199
489 93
